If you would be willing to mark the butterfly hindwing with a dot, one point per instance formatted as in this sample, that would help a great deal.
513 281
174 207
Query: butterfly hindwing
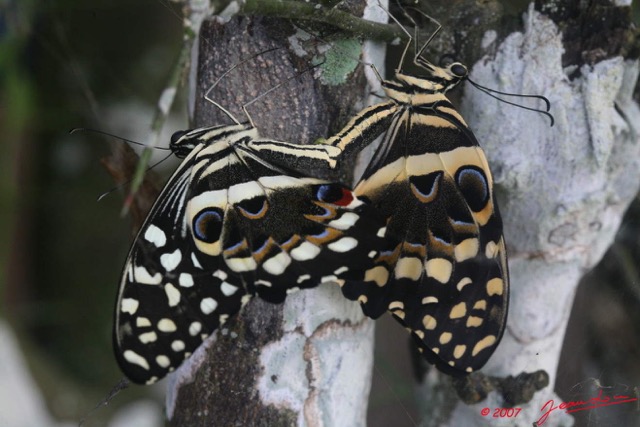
346 231
448 268
302 231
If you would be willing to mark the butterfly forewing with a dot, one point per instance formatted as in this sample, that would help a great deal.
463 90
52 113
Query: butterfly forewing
230 224
171 295
347 232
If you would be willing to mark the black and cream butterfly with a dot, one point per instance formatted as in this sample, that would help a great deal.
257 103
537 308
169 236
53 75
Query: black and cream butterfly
228 225
448 271
445 275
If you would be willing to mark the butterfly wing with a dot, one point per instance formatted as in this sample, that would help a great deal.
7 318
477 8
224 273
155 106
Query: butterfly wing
296 231
447 269
171 297
343 234
229 225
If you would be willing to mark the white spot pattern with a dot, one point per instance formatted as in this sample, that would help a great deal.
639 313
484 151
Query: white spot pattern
185 280
129 305
343 245
278 264
177 345
346 221
208 305
228 289
135 359
155 235
241 264
195 261
163 361
173 294
263 283
220 274
341 270
303 277
141 275
305 251
195 328
148 337
166 325
142 322
171 260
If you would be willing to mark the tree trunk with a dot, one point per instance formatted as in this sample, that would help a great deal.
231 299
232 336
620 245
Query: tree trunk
562 189
306 362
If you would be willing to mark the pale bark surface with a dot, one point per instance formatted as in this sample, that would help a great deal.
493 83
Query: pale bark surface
562 194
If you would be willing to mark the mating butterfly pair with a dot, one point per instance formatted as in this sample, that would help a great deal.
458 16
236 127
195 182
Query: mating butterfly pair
419 236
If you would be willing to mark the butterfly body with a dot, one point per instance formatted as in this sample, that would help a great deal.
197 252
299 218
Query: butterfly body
228 225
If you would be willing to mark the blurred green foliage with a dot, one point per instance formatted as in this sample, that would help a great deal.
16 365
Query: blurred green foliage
67 64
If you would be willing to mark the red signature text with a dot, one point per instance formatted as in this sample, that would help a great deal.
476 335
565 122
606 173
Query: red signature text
583 405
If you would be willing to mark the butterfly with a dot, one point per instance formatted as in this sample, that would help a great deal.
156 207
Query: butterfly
228 225
445 275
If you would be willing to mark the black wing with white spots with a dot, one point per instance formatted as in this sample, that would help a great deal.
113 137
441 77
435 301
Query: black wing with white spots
229 225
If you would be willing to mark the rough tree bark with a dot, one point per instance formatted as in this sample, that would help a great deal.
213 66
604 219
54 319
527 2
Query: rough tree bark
308 361
562 190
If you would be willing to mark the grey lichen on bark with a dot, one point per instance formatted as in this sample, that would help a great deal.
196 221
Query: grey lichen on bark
562 194
306 362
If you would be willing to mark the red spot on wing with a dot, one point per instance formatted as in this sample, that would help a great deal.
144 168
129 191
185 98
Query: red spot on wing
346 199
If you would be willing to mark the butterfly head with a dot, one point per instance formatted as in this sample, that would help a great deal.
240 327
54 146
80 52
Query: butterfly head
182 143
447 75
438 79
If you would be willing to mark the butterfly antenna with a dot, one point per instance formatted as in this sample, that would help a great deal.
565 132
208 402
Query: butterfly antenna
122 384
491 92
262 95
100 132
543 98
129 181
486 90
226 73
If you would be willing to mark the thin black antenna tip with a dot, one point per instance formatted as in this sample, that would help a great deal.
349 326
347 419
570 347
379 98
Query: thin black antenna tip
546 101
119 138
491 92
553 121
